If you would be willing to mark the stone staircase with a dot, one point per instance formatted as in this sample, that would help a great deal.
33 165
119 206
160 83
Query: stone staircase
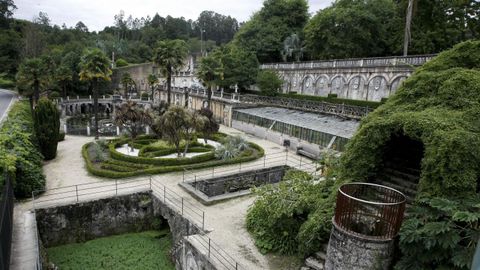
400 177
316 261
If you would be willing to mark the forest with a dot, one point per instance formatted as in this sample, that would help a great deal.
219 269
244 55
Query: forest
281 30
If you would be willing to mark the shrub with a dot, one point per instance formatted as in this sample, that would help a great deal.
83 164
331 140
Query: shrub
47 127
269 82
121 63
54 95
61 136
6 83
19 153
227 151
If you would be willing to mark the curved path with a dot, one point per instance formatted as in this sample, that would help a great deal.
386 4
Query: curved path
6 99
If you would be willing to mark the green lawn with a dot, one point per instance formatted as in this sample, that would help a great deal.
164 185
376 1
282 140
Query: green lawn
145 250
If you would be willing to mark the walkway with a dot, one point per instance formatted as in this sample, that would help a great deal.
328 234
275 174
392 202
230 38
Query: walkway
6 100
226 219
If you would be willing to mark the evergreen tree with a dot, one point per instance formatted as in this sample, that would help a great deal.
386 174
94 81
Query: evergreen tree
47 127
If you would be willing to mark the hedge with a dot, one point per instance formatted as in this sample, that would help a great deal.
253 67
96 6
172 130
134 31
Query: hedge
162 169
19 152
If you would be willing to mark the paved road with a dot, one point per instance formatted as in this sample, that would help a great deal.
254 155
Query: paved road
6 98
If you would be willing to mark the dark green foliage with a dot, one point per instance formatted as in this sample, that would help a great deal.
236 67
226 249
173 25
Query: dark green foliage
121 63
146 250
19 153
211 126
47 127
351 28
265 32
279 211
269 82
61 136
440 234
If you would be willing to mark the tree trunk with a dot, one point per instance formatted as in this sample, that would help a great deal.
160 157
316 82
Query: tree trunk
125 86
65 91
95 106
186 148
169 86
152 88
36 92
408 23
209 97
30 98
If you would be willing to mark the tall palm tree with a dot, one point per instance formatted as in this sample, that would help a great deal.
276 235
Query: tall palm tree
210 72
170 56
127 82
408 22
95 67
63 75
152 80
30 77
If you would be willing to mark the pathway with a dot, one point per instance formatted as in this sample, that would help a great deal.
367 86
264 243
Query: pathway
226 219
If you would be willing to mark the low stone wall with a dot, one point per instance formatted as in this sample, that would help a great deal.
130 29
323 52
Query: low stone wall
221 188
86 221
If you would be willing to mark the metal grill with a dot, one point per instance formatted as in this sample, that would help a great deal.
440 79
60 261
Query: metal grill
6 223
370 210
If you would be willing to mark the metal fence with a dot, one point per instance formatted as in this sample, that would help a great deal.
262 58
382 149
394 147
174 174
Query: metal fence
370 210
280 158
94 191
6 223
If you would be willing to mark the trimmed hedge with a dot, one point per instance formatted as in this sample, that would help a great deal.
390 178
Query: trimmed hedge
103 172
19 153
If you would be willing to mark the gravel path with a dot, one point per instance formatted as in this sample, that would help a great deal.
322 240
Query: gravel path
226 219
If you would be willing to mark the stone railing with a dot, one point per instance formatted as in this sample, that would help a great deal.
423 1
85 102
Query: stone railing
414 60
348 111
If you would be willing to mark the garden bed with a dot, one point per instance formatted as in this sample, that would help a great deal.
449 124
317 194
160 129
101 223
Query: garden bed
104 159
145 250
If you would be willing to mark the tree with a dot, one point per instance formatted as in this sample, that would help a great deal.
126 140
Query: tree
408 23
210 72
210 127
292 48
152 80
94 68
170 56
239 67
63 75
30 78
47 127
174 121
351 28
130 116
194 122
265 32
6 11
269 82
127 83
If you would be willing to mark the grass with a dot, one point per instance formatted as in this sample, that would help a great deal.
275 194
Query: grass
145 250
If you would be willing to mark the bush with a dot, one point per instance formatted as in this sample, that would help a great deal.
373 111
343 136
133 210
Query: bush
19 153
269 82
53 95
47 127
61 136
121 63
6 83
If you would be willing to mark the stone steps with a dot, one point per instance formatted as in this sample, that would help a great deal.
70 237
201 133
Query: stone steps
317 260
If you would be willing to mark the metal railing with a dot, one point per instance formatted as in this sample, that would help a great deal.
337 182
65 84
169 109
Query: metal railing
370 210
6 222
94 191
280 158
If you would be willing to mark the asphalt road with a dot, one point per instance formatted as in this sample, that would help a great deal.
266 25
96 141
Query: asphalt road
5 99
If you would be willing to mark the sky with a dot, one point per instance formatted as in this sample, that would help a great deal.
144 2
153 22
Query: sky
98 14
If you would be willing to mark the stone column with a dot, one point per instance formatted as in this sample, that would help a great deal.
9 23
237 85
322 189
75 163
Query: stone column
348 251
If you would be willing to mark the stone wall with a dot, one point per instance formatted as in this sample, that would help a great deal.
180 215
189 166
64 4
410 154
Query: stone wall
347 251
86 221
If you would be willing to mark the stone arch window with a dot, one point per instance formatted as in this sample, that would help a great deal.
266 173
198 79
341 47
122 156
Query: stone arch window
377 88
396 84
307 86
338 84
321 86
356 87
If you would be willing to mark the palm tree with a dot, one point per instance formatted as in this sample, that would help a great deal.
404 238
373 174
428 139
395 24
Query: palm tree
95 67
152 80
132 117
170 56
210 72
127 82
63 75
30 77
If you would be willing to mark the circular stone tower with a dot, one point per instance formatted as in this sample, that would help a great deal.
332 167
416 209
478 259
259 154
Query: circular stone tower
367 219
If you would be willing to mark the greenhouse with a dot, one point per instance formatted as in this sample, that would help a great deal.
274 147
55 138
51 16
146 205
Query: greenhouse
324 130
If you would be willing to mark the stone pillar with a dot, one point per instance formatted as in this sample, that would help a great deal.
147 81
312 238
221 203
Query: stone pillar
118 131
65 128
348 251
147 130
88 130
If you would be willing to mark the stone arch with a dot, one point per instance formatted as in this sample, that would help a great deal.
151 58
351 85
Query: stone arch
308 85
338 86
396 82
356 88
377 88
321 86
83 108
